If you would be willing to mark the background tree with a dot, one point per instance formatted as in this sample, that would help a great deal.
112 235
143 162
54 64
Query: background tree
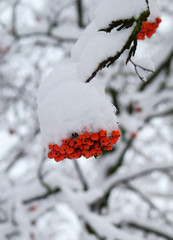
124 194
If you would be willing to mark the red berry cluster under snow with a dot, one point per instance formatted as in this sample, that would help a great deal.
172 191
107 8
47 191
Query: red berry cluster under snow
87 145
148 29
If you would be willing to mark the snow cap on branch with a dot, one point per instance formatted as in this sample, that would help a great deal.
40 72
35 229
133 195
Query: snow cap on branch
112 10
67 106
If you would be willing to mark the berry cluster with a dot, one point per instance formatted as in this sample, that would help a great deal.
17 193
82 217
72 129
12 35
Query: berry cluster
148 29
87 145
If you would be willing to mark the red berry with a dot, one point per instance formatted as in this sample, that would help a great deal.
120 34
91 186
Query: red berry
51 146
102 133
56 147
65 141
50 155
87 135
104 141
94 136
70 150
71 143
55 153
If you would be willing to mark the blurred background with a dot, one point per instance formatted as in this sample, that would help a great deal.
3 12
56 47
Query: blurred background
124 193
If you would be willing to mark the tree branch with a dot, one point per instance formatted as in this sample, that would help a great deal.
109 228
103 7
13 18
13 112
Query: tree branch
115 181
81 176
80 13
162 66
146 227
132 40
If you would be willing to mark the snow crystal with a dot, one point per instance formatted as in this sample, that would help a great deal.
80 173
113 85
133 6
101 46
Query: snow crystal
66 106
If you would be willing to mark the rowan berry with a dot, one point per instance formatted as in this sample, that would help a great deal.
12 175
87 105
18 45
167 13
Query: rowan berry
70 150
50 155
56 147
55 153
94 136
71 143
104 141
51 146
102 133
87 135
87 145
65 141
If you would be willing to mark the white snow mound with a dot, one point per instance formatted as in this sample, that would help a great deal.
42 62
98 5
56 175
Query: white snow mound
66 106
112 10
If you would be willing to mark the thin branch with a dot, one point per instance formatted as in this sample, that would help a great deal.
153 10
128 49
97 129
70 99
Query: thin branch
160 114
113 169
90 230
113 181
162 67
40 175
136 70
81 176
42 196
131 40
149 229
14 19
122 24
79 7
45 34
149 202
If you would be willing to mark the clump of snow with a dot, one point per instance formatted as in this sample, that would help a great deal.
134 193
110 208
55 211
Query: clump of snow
89 32
112 10
95 46
154 10
100 48
58 75
66 106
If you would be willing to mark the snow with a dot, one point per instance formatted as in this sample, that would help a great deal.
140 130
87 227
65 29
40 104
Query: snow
5 41
112 10
146 224
145 63
94 46
104 228
99 48
154 11
66 106
89 32
67 32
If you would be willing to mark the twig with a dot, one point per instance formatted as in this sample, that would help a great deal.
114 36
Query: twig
39 173
149 229
161 67
80 13
43 196
136 70
150 203
102 201
132 39
81 176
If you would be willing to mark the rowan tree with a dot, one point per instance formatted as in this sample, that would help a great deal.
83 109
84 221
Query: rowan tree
104 68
